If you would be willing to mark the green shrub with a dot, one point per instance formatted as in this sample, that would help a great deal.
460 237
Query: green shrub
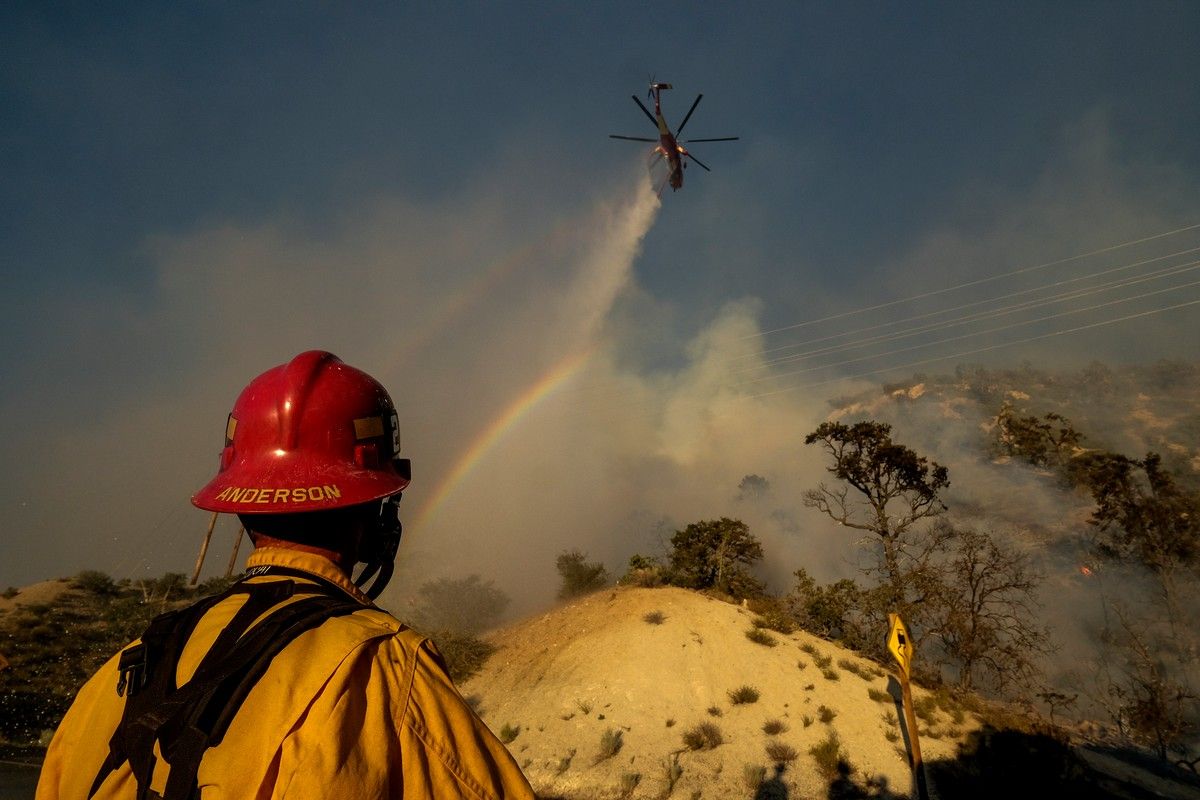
759 636
611 742
821 661
826 714
704 736
926 709
880 696
628 782
95 582
743 695
781 753
654 617
856 668
644 571
773 727
771 613
753 776
830 674
564 763
579 576
671 723
807 720
464 653
714 711
828 755
509 732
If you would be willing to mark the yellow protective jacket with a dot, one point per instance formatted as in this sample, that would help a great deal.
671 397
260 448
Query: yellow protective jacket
359 707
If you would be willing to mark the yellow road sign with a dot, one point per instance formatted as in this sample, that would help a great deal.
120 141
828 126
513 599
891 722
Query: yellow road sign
899 643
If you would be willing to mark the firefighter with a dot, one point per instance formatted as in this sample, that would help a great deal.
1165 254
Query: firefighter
292 683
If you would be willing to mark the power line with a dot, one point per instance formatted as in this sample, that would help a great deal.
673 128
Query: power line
978 281
975 303
1073 294
976 351
1010 326
598 392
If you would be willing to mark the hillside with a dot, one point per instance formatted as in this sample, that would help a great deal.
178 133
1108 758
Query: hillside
653 664
1130 409
568 676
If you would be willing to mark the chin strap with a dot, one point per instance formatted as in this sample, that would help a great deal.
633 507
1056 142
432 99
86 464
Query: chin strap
380 550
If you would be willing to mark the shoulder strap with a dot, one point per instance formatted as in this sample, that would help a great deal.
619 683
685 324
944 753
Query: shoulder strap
185 721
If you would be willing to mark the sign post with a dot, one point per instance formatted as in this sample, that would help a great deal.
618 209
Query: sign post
900 645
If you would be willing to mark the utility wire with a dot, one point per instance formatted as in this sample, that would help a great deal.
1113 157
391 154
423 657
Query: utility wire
1073 294
598 393
939 342
598 408
976 351
978 281
973 304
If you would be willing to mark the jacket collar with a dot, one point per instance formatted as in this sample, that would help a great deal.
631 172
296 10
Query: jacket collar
306 562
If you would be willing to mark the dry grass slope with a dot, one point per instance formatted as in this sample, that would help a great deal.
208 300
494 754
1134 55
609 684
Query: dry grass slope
593 669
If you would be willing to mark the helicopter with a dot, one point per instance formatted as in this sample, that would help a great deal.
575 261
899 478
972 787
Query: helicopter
670 147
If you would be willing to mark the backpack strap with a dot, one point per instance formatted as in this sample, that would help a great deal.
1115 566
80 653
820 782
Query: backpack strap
186 720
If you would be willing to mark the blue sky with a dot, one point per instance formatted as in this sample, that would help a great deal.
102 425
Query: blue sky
151 151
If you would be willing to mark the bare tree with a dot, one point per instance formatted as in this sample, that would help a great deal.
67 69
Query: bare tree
986 620
1148 700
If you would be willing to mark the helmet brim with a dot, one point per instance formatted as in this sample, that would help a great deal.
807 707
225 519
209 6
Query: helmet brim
250 489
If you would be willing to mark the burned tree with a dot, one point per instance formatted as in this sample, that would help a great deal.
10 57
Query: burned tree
986 619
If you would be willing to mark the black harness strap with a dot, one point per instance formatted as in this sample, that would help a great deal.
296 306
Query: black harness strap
187 720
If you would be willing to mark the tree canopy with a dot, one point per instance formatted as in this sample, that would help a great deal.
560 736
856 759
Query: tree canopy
458 605
897 486
715 554
579 576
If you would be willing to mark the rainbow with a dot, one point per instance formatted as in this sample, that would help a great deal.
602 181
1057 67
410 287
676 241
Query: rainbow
491 435
482 286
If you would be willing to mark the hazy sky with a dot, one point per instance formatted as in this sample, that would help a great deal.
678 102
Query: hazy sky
190 194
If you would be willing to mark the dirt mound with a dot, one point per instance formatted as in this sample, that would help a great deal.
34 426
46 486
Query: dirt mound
632 670
43 593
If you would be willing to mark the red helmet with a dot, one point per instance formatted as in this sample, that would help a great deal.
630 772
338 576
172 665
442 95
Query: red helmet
309 435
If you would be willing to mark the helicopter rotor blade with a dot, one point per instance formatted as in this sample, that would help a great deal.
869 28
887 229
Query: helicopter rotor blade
631 138
688 115
645 110
722 139
698 161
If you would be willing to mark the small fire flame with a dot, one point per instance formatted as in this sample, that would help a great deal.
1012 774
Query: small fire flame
1084 569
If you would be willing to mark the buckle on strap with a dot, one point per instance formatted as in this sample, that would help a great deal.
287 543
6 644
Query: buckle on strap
134 670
